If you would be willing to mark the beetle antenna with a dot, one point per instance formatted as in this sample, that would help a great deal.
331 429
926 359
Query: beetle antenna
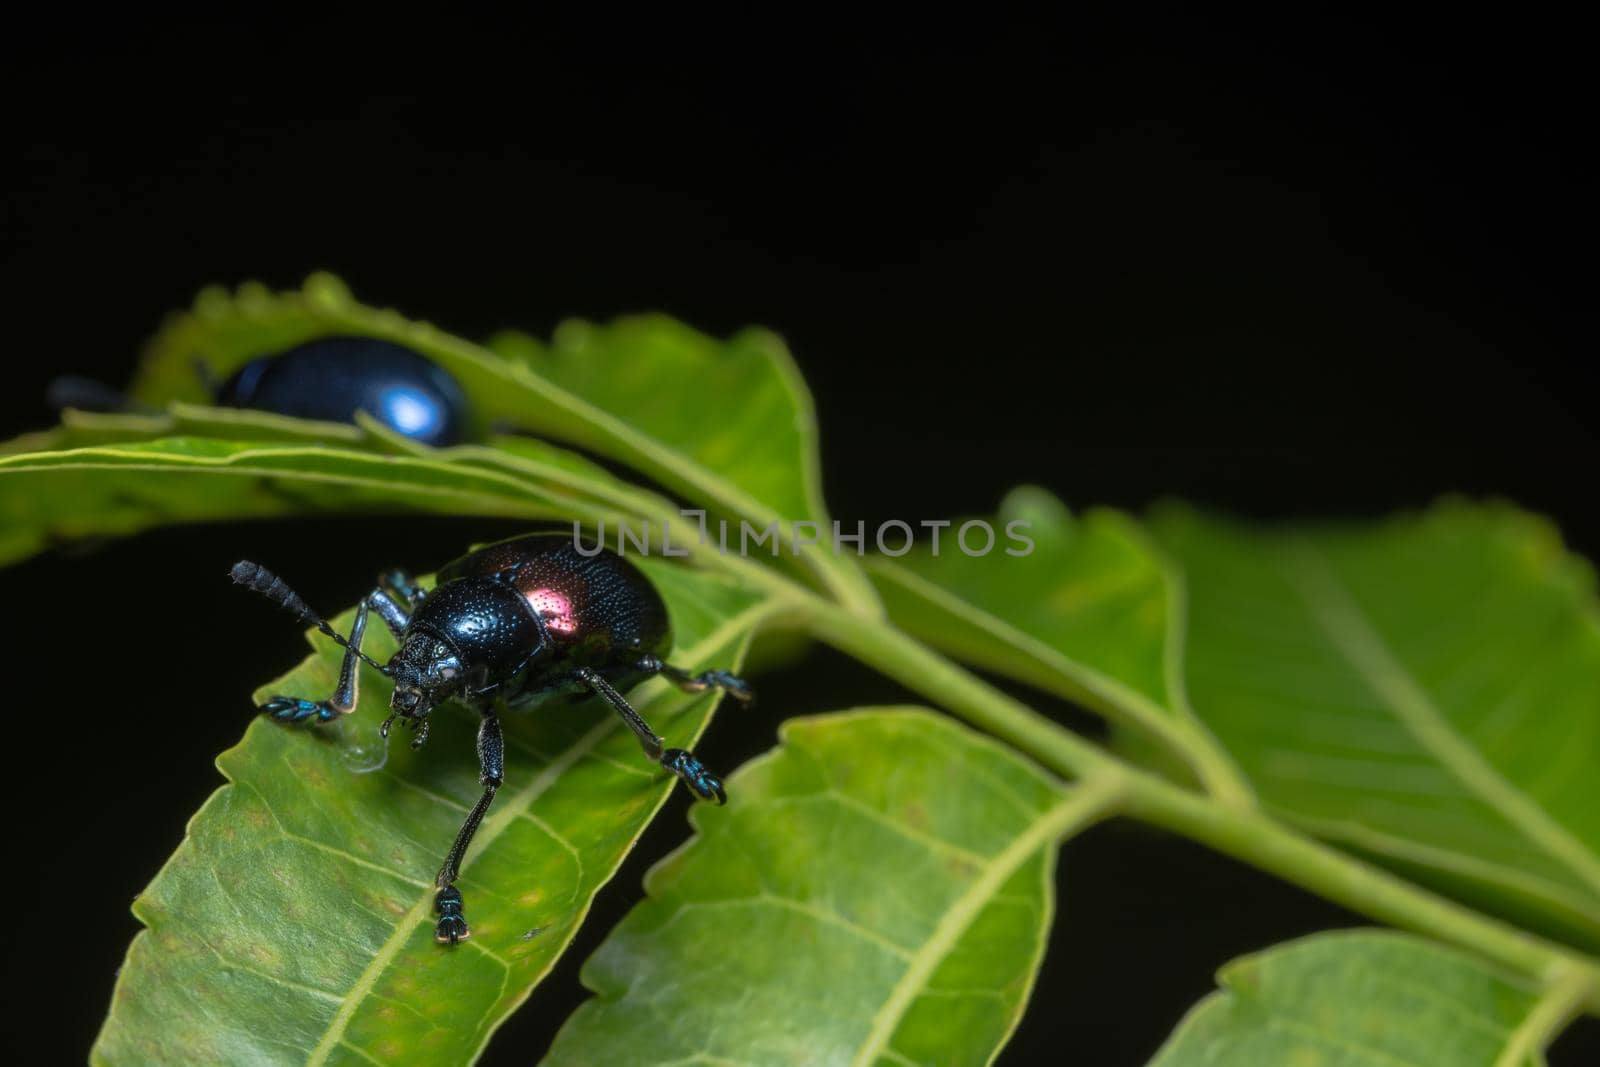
260 580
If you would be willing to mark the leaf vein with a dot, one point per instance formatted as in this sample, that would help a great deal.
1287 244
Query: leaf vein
1354 635
867 811
1078 806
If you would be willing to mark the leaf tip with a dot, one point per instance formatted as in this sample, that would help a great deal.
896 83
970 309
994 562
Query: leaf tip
327 291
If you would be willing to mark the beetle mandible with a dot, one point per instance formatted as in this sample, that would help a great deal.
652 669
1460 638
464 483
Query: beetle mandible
506 626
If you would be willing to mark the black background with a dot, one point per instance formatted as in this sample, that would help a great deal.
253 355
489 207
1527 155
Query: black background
1281 267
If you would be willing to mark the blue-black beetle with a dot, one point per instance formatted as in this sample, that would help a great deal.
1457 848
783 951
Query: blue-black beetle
329 378
506 626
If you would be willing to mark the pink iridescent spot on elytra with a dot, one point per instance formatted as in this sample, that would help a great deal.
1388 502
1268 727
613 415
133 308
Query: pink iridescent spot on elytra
554 608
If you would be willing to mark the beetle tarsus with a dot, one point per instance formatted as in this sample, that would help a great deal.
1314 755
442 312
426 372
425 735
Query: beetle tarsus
452 926
85 394
293 709
694 774
732 684
729 683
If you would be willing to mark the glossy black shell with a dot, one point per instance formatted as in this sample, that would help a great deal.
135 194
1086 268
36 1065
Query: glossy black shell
599 611
487 622
333 377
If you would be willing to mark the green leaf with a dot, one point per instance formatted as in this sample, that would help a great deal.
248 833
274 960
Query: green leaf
732 421
1091 613
46 497
1368 999
1423 690
726 423
293 924
105 476
879 893
86 428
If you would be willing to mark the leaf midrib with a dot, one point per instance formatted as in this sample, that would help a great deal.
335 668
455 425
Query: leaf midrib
1177 727
191 466
379 964
1553 892
1340 617
240 464
1081 804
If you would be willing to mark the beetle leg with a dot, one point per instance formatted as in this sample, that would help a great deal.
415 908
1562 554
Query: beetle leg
85 394
680 762
347 692
205 376
403 588
452 926
393 613
421 728
731 684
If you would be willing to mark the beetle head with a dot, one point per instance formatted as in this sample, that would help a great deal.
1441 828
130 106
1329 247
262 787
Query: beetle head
426 673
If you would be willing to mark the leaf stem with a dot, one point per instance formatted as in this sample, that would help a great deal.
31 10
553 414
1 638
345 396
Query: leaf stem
1269 845
1174 728
562 415
892 652
1562 1000
1247 835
